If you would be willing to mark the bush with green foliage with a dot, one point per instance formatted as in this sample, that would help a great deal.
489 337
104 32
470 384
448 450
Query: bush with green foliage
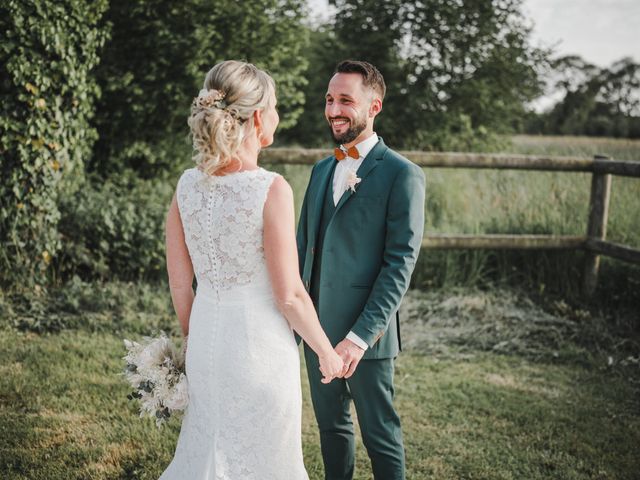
113 307
114 229
46 100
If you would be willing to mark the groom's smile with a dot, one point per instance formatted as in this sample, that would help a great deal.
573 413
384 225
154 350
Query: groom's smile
339 124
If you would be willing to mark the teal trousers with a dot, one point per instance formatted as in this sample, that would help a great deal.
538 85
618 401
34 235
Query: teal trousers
371 390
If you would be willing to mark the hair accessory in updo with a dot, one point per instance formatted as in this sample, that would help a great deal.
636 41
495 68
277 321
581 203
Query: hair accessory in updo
222 115
210 98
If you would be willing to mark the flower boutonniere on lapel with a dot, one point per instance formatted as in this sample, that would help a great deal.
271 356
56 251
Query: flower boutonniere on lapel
352 180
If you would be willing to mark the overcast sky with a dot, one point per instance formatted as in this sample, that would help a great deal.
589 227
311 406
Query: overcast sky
600 31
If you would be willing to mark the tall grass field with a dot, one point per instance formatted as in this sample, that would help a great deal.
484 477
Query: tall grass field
507 373
478 201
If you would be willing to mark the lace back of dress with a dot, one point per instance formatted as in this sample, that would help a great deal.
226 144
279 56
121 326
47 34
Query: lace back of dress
222 218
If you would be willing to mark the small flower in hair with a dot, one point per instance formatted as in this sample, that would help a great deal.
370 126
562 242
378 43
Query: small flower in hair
210 98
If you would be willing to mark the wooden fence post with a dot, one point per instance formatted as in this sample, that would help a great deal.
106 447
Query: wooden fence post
597 228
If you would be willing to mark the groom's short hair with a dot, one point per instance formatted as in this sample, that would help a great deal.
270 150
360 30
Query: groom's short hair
371 76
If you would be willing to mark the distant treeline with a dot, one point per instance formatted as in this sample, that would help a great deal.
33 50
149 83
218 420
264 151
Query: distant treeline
603 102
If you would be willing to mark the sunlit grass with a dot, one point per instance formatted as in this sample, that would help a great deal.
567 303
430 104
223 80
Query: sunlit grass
486 416
615 148
490 386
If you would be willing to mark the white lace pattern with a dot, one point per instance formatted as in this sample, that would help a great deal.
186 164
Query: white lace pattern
222 219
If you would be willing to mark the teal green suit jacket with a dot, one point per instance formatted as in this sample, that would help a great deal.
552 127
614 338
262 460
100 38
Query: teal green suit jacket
370 247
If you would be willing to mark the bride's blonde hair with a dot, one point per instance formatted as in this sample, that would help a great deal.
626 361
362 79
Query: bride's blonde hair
222 114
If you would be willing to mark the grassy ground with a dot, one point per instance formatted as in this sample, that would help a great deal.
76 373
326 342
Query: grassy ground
616 148
625 192
490 386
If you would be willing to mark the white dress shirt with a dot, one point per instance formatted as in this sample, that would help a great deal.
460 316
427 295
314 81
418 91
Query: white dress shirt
340 186
349 164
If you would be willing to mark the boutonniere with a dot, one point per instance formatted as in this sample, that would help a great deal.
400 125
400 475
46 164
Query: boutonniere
352 180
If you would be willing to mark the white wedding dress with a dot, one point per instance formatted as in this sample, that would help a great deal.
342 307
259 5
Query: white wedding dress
243 420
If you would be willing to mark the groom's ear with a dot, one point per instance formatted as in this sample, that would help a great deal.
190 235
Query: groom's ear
376 107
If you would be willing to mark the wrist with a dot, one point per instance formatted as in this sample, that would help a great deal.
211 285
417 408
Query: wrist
357 341
325 352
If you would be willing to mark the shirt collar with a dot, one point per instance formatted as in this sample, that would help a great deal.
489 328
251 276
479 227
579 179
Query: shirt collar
365 146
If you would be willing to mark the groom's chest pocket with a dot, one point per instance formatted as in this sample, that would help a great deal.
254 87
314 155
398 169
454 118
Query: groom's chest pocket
367 211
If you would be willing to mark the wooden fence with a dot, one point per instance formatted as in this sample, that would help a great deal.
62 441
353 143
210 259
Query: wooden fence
593 242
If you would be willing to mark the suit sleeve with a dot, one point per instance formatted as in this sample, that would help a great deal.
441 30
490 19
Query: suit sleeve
404 232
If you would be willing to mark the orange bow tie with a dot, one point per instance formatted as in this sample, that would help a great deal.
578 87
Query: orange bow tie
341 155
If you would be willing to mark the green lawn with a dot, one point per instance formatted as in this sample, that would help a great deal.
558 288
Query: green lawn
469 410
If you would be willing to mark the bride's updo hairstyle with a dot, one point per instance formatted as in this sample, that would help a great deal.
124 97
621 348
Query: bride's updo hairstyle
222 113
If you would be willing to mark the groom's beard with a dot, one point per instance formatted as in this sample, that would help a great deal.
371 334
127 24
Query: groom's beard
356 126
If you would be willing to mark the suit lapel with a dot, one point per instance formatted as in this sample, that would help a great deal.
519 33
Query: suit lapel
324 177
368 164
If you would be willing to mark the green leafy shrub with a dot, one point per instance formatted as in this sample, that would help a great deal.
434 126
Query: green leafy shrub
46 95
114 229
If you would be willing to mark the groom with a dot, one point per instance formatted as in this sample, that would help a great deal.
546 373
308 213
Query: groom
359 235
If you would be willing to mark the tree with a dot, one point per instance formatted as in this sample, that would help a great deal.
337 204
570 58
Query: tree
621 87
156 60
593 101
455 71
470 60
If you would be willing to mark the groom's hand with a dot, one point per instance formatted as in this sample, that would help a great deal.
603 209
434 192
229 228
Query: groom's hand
351 355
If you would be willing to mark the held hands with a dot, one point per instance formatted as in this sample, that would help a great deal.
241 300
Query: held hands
341 362
331 366
351 355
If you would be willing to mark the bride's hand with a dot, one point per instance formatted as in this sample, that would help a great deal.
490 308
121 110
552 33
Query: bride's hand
331 366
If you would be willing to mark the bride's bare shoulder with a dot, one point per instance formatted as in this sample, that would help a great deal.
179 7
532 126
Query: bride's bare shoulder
278 208
279 191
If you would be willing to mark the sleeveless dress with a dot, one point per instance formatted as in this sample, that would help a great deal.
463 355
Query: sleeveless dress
243 420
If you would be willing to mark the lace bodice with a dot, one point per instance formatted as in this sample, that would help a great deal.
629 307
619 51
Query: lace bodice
223 224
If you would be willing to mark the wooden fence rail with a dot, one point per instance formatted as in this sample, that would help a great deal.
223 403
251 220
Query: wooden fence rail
593 242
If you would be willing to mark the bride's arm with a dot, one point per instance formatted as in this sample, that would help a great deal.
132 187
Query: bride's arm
179 267
281 255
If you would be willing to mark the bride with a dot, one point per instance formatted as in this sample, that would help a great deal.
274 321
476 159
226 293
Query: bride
231 223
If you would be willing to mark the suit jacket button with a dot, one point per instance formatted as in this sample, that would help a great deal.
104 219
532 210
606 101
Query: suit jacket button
313 250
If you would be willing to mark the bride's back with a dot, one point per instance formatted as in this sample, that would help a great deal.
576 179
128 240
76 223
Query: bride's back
222 218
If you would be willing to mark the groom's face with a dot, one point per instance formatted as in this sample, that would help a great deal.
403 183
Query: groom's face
347 105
